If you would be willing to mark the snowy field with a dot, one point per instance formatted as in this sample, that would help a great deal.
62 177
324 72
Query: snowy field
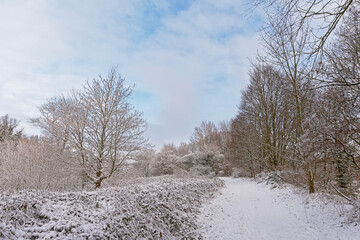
249 210
155 208
170 208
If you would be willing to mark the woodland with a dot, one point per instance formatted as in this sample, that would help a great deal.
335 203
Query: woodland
298 119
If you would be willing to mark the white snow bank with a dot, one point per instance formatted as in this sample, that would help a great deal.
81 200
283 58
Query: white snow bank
164 209
249 210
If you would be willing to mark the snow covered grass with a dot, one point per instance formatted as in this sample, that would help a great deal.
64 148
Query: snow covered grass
246 209
164 208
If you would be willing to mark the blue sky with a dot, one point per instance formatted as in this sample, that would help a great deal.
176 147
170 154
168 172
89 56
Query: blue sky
188 59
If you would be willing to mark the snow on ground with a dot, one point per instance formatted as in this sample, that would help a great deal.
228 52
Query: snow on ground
249 210
155 208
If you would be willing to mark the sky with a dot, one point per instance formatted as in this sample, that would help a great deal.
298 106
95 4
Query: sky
189 60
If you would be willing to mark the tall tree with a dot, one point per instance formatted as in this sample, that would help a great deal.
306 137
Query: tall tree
324 15
341 62
244 150
266 106
338 125
205 134
287 47
328 139
98 123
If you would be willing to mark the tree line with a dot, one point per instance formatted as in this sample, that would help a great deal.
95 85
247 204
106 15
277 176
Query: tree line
300 112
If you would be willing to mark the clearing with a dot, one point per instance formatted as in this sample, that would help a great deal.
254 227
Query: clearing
245 210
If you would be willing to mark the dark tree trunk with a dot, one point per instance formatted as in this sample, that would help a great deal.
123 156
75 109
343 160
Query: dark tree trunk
98 183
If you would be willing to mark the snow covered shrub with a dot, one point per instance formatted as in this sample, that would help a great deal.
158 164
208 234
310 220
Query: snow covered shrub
211 157
165 161
187 162
37 163
163 208
163 167
271 178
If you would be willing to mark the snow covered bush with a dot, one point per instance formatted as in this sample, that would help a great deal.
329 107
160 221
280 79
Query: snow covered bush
274 179
37 163
208 161
163 208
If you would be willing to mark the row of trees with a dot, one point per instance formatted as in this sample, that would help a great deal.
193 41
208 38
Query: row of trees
300 112
48 162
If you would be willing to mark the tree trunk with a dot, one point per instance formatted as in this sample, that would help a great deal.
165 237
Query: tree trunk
98 183
311 186
311 183
342 173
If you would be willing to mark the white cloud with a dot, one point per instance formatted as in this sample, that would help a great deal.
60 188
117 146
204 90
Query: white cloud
193 62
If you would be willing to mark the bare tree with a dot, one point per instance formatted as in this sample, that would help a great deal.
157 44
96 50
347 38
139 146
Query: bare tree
286 49
211 142
8 129
266 105
331 140
244 150
286 45
335 123
145 162
341 62
184 149
323 15
98 124
209 133
206 134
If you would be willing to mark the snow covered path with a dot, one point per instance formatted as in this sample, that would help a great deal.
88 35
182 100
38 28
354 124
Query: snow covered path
247 210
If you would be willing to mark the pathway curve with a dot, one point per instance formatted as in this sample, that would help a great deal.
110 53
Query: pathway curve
248 210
